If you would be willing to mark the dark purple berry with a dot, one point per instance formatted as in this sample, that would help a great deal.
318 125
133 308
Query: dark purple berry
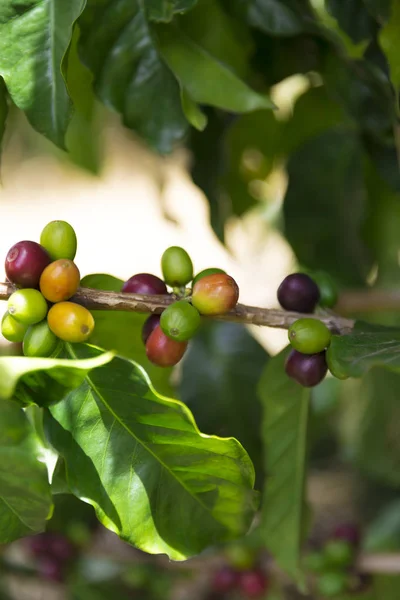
144 283
348 532
149 326
60 547
224 580
51 569
253 584
306 369
25 262
298 292
37 545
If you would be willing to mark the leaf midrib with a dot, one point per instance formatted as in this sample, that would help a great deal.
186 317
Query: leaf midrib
139 441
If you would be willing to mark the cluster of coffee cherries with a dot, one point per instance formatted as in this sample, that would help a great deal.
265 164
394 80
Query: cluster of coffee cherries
241 575
212 292
52 553
333 563
309 337
39 314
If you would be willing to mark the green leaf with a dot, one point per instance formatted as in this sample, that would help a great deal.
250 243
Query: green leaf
43 380
386 587
34 38
193 113
389 41
130 77
164 10
140 460
122 332
231 363
25 499
275 17
206 79
3 109
326 209
353 18
365 348
284 431
379 9
383 533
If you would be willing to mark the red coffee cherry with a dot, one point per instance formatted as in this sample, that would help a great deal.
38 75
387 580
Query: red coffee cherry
144 283
253 584
162 351
224 580
215 294
25 262
149 326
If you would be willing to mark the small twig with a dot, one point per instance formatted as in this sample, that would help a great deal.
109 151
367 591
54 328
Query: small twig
249 315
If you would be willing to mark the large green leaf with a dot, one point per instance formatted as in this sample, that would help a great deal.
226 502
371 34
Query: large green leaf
34 38
325 205
122 332
353 18
43 380
219 384
284 432
389 41
206 80
275 17
25 499
164 10
379 9
139 458
366 347
129 75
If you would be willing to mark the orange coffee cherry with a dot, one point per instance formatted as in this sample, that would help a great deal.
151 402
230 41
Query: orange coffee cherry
60 280
70 322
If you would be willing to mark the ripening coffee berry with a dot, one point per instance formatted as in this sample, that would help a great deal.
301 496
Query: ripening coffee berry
70 322
309 336
163 351
39 341
177 266
224 580
339 553
241 556
144 283
60 280
59 239
215 294
27 306
306 369
180 321
327 289
205 272
298 292
332 583
149 326
348 532
12 330
253 584
25 262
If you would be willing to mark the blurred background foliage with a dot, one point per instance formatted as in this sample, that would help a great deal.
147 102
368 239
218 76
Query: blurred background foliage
202 160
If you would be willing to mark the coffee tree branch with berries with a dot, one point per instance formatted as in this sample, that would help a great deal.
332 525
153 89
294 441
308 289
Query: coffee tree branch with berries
288 113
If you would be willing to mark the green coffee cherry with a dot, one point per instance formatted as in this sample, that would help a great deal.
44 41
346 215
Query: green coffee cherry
59 239
180 321
315 562
39 340
332 584
240 556
327 289
339 553
309 336
11 329
205 272
177 266
27 306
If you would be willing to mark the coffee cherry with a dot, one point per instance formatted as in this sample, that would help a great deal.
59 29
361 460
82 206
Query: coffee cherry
240 556
59 239
27 306
298 292
306 369
149 326
180 321
163 351
144 283
12 330
327 289
25 263
309 336
70 322
50 568
177 266
253 584
205 272
348 532
215 294
332 583
338 553
39 340
224 580
60 280
315 562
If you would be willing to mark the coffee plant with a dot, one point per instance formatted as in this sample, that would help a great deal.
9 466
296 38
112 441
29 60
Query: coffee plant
219 454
